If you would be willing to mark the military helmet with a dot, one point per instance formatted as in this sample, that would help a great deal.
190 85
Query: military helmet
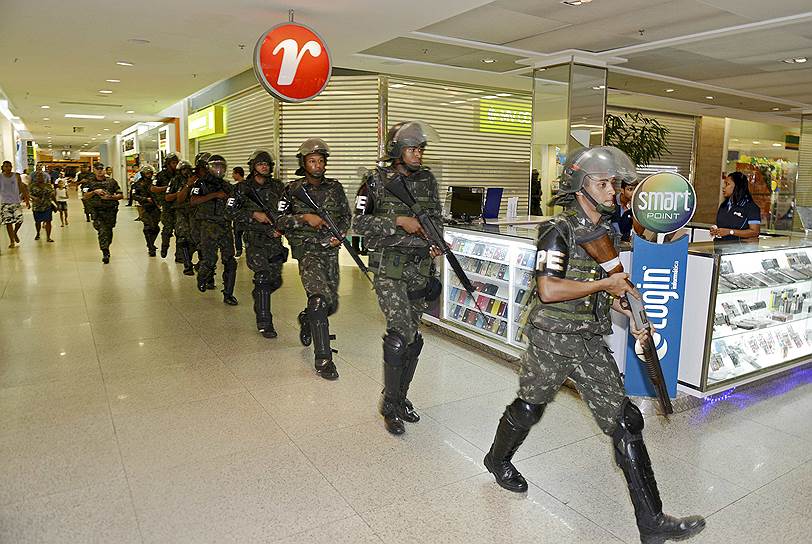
599 162
217 166
202 159
185 165
147 169
308 147
408 134
171 157
260 155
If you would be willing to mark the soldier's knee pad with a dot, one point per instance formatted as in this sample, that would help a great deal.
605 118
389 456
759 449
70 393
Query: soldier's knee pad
524 414
417 346
630 418
263 277
333 308
317 304
394 348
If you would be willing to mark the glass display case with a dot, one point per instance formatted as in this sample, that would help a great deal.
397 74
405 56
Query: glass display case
757 297
499 261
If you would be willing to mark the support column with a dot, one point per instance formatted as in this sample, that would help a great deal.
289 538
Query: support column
709 161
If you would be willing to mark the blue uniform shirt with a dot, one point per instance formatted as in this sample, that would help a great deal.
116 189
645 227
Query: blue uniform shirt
737 216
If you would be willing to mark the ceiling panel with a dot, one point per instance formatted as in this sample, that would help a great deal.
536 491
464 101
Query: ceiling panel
503 62
752 44
594 11
759 9
421 50
672 19
492 24
574 38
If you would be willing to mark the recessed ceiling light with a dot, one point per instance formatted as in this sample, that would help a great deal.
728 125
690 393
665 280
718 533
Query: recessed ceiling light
125 63
83 116
105 91
45 107
98 134
670 90
598 87
756 142
107 129
776 109
116 122
709 97
776 145
46 119
93 139
130 111
488 60
795 60
575 3
139 41
113 80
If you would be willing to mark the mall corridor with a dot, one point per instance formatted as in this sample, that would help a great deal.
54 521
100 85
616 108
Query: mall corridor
135 409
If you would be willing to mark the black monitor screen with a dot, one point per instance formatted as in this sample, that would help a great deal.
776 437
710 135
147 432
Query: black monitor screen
466 202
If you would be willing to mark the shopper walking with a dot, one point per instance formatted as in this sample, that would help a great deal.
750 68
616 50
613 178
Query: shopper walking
316 249
565 331
209 195
402 260
178 194
102 195
151 213
12 193
84 175
265 253
62 200
238 175
159 189
43 203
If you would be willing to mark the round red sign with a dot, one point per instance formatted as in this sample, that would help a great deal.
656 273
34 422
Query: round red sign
292 62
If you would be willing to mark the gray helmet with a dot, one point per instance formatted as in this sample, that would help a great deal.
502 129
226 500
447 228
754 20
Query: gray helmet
408 134
185 165
201 159
308 147
147 169
217 165
599 162
260 155
171 157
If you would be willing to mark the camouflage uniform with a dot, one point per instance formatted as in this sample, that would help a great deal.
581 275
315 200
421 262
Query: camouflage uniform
405 276
164 179
150 212
183 222
104 212
215 233
264 251
318 261
80 181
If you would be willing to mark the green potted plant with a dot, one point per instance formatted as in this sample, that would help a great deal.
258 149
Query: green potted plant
642 138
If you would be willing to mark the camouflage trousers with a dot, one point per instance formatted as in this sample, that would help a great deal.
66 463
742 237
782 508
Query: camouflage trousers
150 217
551 358
265 257
103 222
168 222
318 269
183 225
402 315
214 237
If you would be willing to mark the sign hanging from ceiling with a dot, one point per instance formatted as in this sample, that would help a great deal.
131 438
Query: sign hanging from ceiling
206 122
292 62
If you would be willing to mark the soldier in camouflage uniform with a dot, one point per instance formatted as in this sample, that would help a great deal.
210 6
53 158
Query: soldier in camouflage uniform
565 330
201 170
159 188
150 212
178 195
402 261
84 175
264 251
209 195
316 249
102 195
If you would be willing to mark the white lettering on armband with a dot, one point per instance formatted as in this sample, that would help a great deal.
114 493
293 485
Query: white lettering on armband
196 191
552 259
230 202
282 206
361 202
610 265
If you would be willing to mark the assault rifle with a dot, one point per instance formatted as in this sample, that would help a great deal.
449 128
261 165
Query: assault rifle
254 197
603 251
399 190
301 193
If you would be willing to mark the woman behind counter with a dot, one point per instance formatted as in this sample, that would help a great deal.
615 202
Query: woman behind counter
738 216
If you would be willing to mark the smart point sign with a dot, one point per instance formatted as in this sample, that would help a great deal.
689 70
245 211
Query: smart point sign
664 202
292 62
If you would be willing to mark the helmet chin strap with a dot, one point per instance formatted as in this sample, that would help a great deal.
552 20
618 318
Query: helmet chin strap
412 167
602 209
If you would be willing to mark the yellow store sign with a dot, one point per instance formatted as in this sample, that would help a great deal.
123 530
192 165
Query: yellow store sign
504 117
207 122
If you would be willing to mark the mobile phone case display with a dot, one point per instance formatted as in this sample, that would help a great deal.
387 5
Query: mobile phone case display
763 312
501 271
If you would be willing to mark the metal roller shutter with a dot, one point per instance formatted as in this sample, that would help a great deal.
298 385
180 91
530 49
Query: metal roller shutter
484 133
249 120
679 157
345 115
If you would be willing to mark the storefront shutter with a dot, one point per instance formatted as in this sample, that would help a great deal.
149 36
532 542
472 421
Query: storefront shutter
249 121
484 134
803 188
680 140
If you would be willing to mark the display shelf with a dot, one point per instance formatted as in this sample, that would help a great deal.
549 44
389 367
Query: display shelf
469 306
486 278
480 258
739 331
776 286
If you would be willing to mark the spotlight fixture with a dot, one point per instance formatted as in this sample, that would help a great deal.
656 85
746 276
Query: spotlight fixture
776 145
795 60
756 142
575 3
46 118
670 90
105 91
113 80
83 116
130 111
776 109
125 63
488 60
709 97
45 107
116 122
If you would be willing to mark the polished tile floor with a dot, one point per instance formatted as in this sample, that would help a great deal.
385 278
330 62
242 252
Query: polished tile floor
135 409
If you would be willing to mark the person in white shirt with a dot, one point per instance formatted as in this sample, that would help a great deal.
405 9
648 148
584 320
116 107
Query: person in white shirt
62 200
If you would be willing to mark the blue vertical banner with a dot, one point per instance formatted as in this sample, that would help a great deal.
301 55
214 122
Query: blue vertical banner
658 272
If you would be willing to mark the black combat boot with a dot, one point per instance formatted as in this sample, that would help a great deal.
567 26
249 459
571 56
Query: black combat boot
262 307
150 245
178 253
188 269
406 409
203 280
513 428
106 256
320 328
164 250
394 350
305 336
229 278
632 457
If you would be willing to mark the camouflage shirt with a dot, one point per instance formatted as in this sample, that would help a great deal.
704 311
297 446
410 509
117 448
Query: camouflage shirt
163 179
42 194
213 210
329 194
376 209
108 184
175 186
142 194
240 208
